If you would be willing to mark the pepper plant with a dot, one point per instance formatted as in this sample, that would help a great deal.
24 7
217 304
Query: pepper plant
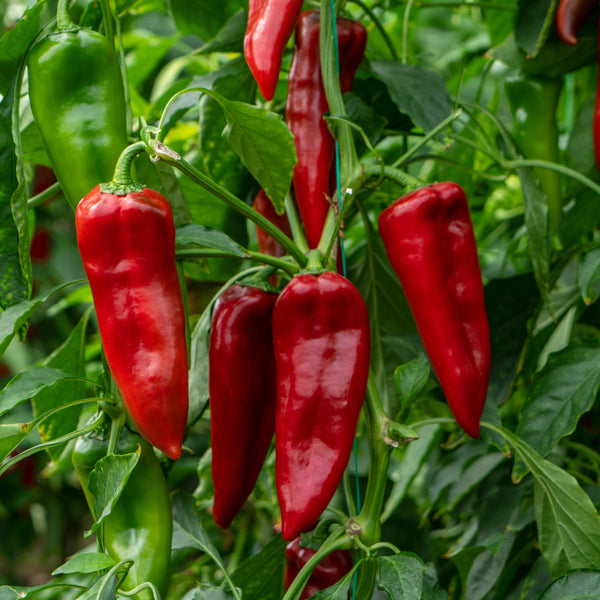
299 300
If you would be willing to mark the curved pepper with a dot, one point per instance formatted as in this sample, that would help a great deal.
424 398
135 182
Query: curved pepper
266 243
242 395
429 239
139 527
306 105
322 352
570 16
270 26
78 104
327 573
127 244
533 103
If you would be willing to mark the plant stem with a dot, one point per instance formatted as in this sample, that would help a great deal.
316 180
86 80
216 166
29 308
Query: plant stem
63 18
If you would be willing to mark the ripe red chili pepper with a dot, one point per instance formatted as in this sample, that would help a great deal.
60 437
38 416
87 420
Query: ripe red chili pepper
266 243
570 16
270 26
306 105
127 244
322 351
327 573
429 239
242 394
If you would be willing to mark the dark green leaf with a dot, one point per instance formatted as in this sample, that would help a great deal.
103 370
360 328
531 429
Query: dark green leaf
231 37
260 577
11 435
107 481
199 366
556 398
577 585
536 221
15 266
401 575
191 235
534 22
411 378
89 562
203 18
27 385
417 91
473 476
588 276
568 523
69 357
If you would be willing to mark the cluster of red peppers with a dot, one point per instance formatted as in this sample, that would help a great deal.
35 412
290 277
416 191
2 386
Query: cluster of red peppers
570 16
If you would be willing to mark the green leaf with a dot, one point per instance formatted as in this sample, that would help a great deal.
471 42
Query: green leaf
568 523
415 456
15 43
401 575
11 435
577 585
15 266
264 144
198 386
27 385
70 357
89 562
588 276
188 533
411 378
191 236
473 476
260 576
417 91
535 20
203 18
536 221
556 398
231 37
107 481
15 316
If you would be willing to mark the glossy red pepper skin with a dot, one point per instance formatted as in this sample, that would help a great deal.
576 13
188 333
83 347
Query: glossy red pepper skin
270 26
429 239
322 352
327 573
266 243
127 244
306 105
242 395
570 16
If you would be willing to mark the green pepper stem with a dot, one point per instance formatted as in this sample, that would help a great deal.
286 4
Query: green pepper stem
63 18
172 158
47 194
122 182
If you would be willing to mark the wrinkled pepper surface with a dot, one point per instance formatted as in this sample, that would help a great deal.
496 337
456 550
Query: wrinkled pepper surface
78 104
322 350
306 105
127 244
242 395
429 240
327 573
139 527
270 26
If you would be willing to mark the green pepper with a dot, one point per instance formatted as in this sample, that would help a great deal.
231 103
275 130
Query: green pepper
139 527
533 104
78 104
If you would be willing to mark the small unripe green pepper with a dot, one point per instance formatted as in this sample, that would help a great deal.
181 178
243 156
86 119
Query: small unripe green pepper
139 527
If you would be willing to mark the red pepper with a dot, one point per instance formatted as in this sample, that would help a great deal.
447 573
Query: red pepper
267 244
570 16
270 26
242 395
306 105
322 352
429 239
327 573
127 244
